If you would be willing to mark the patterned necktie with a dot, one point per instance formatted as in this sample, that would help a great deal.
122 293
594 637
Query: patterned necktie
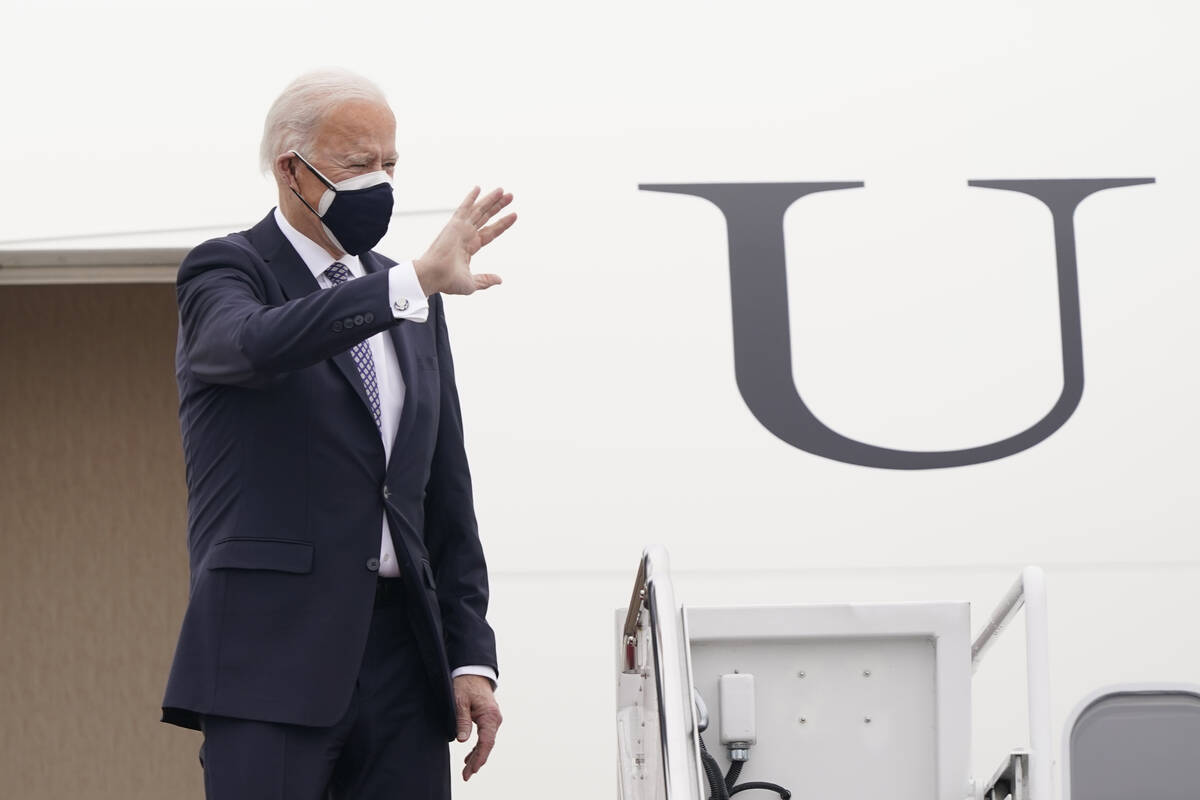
361 352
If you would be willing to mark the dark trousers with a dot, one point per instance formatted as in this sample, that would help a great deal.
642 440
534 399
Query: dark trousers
389 744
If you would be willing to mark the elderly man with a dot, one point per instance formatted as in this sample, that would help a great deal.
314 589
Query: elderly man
335 636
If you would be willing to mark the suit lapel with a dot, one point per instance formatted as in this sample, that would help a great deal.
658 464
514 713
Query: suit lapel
406 358
297 281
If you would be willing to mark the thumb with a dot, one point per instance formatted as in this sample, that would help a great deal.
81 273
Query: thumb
486 280
462 710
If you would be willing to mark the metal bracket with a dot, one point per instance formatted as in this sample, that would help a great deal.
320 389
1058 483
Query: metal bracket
1011 781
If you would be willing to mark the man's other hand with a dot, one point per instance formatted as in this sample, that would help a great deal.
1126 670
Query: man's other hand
475 702
446 265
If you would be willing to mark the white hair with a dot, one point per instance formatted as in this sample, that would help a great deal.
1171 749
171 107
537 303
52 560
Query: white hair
296 113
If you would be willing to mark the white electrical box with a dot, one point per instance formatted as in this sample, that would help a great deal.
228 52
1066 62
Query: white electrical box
736 692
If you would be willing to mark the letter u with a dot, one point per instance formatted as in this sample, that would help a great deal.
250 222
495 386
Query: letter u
761 330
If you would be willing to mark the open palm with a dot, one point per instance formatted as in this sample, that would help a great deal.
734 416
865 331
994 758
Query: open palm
446 265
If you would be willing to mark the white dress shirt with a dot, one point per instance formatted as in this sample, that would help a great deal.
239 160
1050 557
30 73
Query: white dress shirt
407 302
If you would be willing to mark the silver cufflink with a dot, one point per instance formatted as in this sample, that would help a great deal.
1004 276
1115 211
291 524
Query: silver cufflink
401 304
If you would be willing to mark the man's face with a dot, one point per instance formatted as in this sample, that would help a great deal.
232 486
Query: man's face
355 138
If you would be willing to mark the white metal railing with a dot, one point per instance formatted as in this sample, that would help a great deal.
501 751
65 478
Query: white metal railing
653 592
1029 592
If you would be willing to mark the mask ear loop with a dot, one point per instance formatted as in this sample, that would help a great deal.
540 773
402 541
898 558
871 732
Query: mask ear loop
320 177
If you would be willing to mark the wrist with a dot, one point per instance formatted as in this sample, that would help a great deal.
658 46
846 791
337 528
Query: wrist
425 275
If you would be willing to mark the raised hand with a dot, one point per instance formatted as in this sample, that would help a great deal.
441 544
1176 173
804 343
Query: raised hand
446 265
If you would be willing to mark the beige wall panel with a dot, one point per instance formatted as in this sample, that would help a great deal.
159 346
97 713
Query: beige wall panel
93 570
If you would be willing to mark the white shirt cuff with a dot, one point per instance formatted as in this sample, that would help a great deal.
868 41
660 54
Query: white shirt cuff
475 669
405 295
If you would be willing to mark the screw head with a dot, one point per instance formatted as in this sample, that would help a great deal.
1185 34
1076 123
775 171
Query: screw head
867 720
804 720
866 673
802 674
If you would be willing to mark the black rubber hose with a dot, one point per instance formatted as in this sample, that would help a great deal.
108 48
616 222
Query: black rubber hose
716 784
770 787
735 770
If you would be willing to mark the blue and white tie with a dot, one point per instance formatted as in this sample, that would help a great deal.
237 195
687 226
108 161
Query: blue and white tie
361 352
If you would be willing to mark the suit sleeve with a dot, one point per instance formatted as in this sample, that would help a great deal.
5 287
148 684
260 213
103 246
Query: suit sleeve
452 534
230 334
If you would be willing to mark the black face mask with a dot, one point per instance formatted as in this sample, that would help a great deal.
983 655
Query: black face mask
355 212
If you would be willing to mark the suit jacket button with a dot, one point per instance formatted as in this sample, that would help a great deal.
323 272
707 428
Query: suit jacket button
348 322
387 493
337 326
369 317
359 319
373 564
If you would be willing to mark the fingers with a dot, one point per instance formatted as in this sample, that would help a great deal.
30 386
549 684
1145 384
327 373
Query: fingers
474 762
473 210
498 227
488 207
489 724
464 208
469 767
462 713
500 202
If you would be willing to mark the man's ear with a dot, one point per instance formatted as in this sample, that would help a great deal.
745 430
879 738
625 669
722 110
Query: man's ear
285 171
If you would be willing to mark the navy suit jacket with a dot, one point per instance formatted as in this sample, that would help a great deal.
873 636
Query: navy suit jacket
288 485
